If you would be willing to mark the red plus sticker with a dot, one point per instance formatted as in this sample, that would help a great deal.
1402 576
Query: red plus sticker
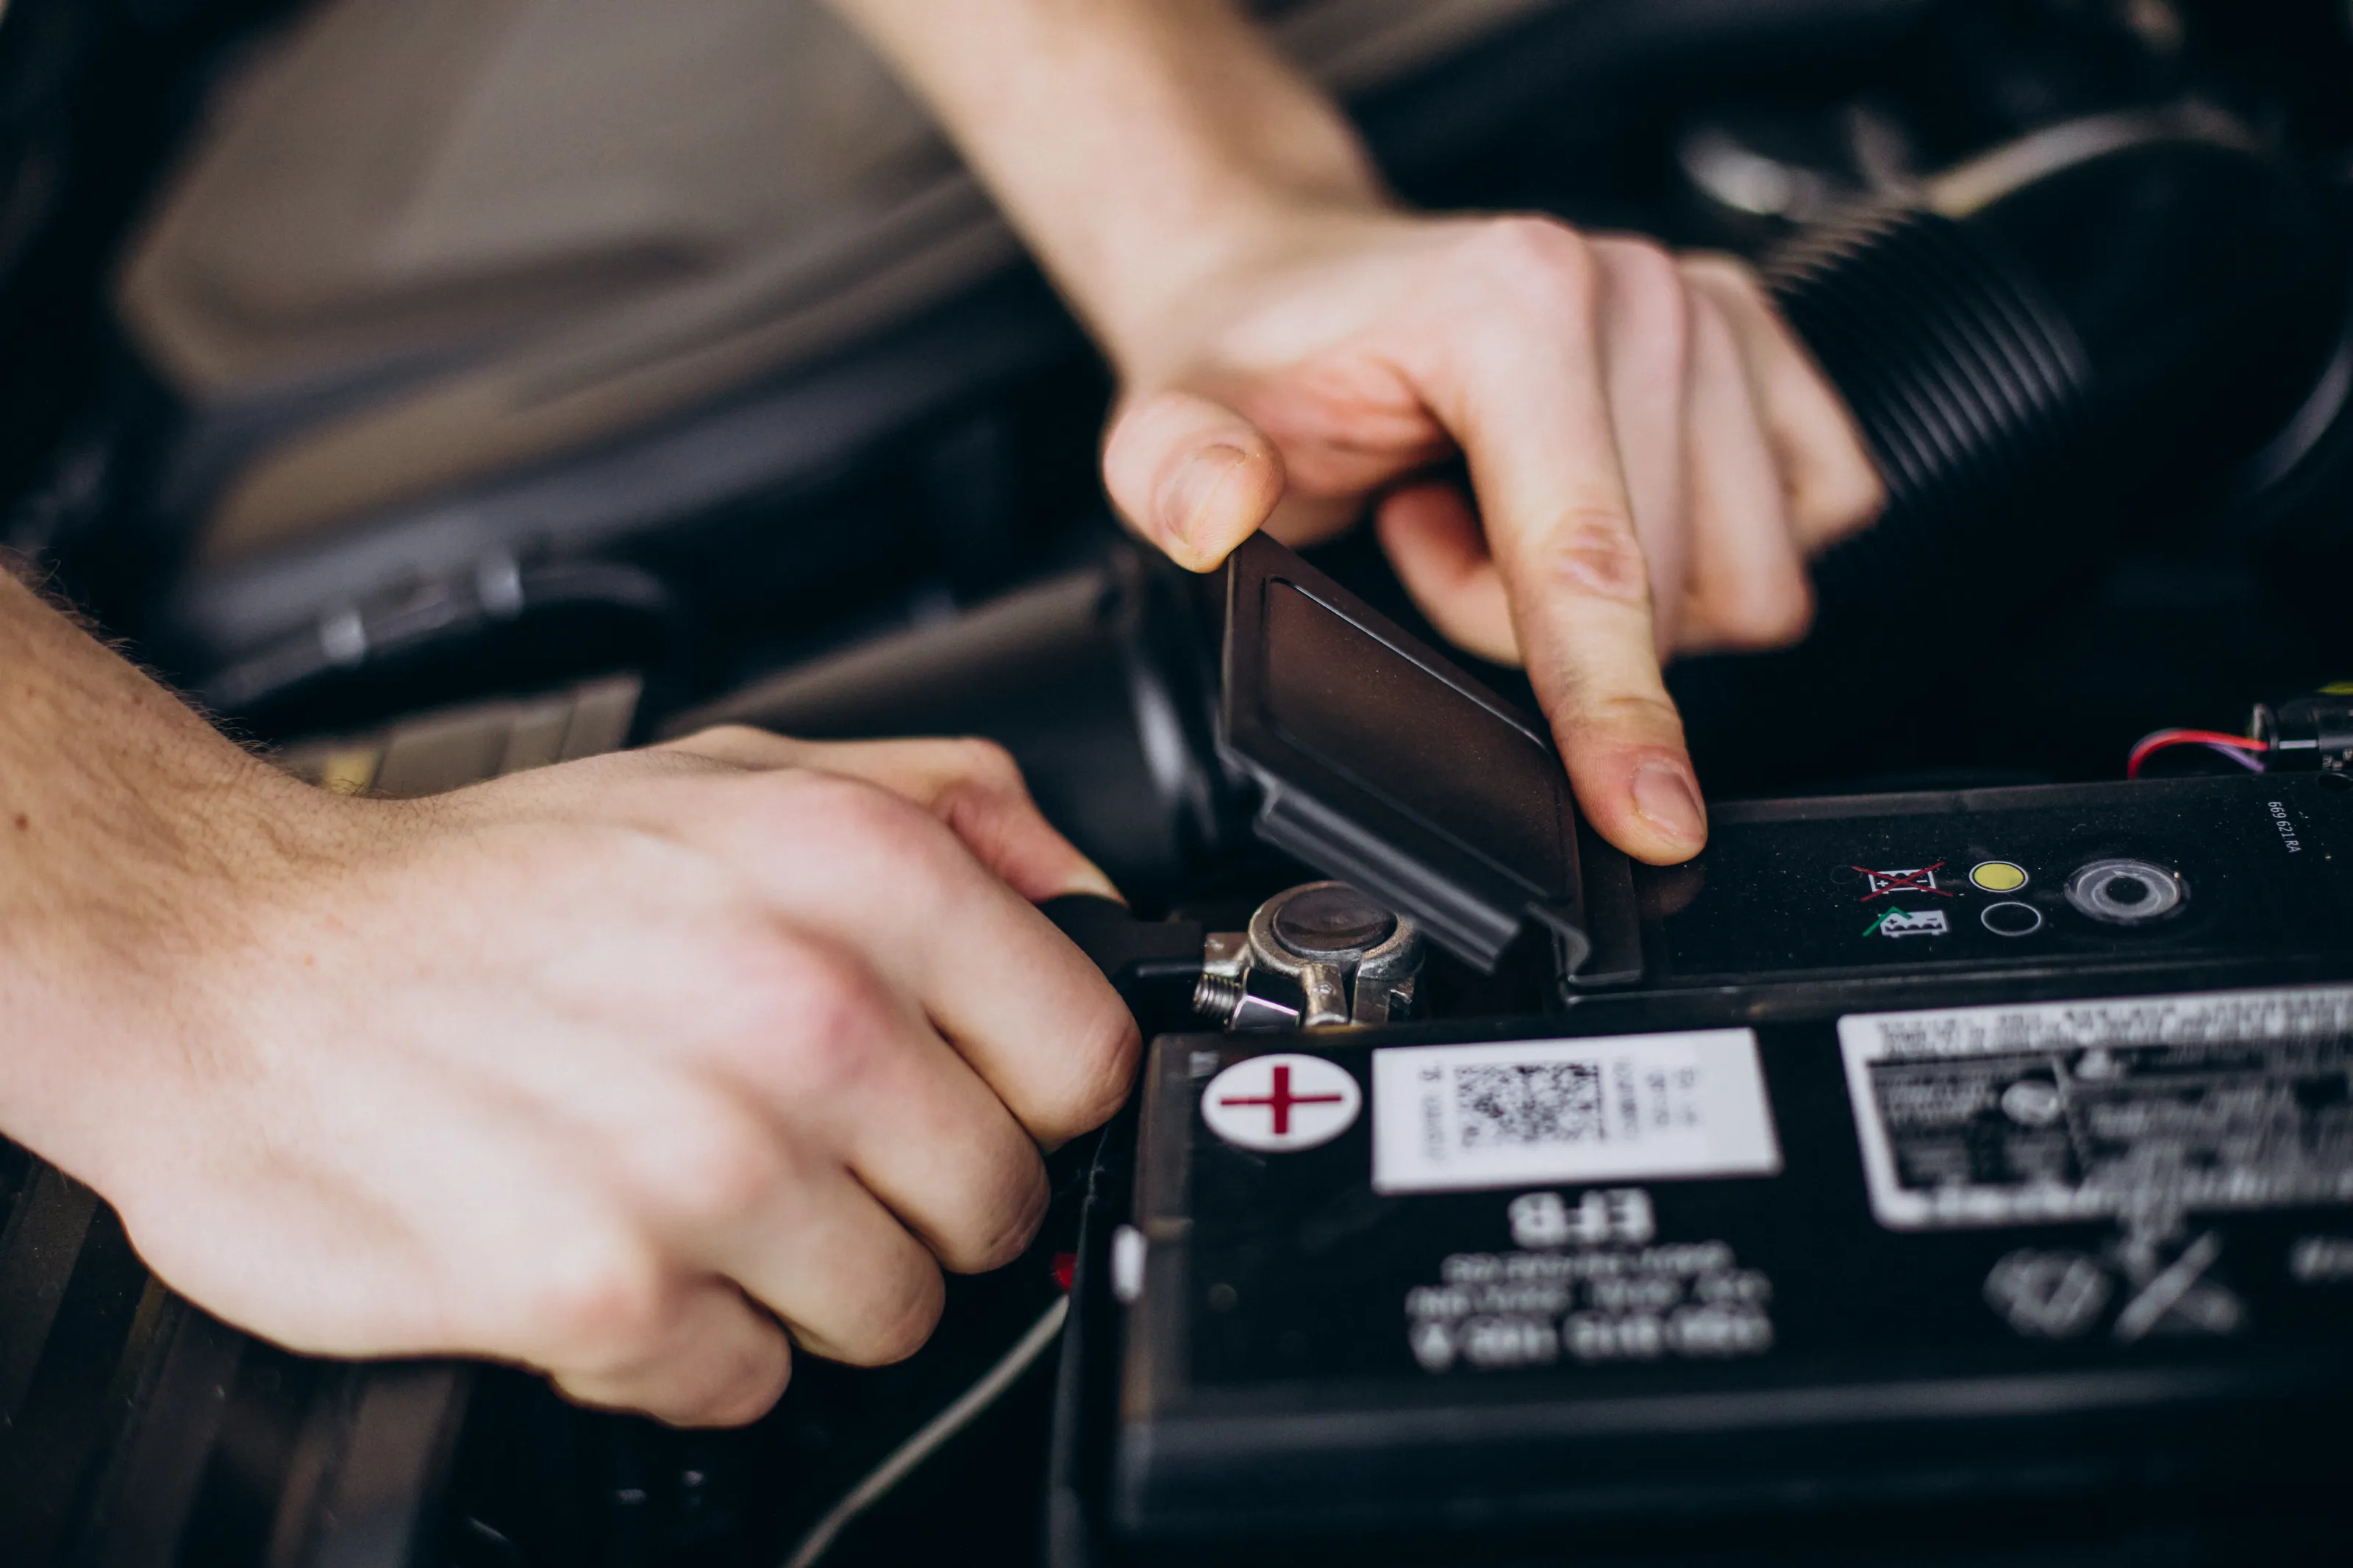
1276 1103
1916 880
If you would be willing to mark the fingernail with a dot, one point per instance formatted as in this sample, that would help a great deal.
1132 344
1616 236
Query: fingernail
1088 877
1190 490
1666 798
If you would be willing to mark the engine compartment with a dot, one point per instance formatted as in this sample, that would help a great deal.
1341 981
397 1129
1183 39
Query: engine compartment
906 536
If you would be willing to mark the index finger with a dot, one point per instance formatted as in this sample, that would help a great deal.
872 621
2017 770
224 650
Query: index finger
1516 370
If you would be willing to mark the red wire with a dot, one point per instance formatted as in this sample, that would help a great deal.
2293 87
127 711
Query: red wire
2149 746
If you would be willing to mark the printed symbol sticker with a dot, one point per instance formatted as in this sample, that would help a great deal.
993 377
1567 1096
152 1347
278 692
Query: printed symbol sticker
2179 1298
2049 1295
1998 875
1919 879
1893 921
1274 1104
2061 1295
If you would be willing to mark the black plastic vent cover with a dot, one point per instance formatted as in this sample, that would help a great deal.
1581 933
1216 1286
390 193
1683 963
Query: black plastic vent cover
1382 764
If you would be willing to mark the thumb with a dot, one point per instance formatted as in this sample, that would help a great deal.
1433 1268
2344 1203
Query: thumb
1192 476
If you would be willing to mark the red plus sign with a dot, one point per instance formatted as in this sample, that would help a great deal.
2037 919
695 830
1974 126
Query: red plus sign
1282 1100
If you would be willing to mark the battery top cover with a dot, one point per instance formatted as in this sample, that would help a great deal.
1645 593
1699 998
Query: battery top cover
1425 1275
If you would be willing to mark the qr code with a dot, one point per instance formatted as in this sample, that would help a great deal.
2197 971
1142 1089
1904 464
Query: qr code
1528 1102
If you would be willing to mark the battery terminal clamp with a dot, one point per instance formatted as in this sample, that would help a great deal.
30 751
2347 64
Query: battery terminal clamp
1333 954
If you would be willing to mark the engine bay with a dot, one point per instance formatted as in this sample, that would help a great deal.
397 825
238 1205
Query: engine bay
1951 1166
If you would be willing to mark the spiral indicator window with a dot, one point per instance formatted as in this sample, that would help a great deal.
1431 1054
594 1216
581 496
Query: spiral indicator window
2126 892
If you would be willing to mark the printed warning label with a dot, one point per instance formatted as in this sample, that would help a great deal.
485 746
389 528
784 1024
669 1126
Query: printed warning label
2146 1109
1512 1114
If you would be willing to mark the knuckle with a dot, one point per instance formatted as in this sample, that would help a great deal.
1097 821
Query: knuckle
1642 266
734 737
1853 497
1716 267
984 762
754 1385
1635 715
837 1016
1711 330
604 1301
717 1170
1648 289
1539 257
1595 553
750 974
1772 620
1008 1224
1107 1069
837 800
733 749
904 1324
985 795
1101 1068
901 845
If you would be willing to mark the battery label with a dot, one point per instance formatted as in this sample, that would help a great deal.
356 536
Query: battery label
2142 1108
1625 1108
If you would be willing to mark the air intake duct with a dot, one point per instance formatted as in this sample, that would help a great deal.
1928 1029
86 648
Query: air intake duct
2060 338
2087 342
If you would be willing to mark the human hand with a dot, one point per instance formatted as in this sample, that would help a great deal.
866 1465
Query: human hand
1654 456
609 1068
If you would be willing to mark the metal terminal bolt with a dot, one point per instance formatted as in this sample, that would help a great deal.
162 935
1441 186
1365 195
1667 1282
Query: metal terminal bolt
1217 997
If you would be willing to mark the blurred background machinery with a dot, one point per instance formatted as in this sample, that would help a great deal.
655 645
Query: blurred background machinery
393 355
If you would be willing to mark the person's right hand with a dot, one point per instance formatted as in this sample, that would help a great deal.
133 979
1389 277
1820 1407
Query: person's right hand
610 1069
1654 457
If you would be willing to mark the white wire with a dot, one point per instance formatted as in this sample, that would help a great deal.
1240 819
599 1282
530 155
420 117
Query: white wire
934 1432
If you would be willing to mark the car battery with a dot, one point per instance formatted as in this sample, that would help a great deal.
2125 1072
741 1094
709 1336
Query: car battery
1922 1156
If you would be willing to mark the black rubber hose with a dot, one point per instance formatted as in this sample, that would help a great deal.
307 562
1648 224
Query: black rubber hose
2078 345
2043 359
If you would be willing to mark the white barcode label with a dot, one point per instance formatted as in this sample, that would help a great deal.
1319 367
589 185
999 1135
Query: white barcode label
1623 1108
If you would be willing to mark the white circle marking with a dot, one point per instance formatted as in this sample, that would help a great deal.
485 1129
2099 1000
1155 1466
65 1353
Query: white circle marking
1985 917
1274 1104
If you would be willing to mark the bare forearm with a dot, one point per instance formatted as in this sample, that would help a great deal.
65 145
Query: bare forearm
1139 145
122 816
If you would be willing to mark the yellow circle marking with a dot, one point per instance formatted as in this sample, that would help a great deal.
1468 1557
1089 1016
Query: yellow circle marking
1998 875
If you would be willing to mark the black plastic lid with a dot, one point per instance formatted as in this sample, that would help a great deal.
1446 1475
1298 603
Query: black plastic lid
1383 765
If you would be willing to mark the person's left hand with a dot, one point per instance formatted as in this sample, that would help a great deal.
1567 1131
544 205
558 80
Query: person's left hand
1653 454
